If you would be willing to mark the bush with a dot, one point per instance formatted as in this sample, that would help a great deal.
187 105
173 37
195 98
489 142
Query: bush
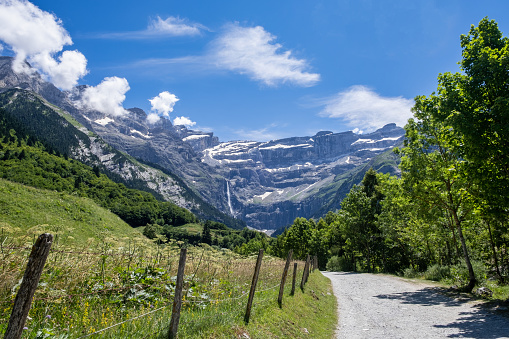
410 272
336 264
437 273
459 272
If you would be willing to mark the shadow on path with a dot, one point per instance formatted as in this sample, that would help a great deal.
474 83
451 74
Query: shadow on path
476 321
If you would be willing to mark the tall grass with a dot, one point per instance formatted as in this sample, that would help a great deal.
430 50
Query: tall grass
84 290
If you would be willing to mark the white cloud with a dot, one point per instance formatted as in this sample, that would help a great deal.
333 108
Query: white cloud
169 27
65 72
163 103
366 110
251 51
37 36
174 26
183 121
107 97
152 118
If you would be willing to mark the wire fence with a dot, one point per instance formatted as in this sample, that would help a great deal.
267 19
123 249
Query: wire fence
105 293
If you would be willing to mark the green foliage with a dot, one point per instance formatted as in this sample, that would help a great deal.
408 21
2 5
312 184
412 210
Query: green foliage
476 105
437 272
35 167
340 264
152 230
26 212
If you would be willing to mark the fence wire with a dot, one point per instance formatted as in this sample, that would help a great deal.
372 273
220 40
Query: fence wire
211 285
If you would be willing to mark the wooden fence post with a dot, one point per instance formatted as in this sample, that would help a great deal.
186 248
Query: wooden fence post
283 278
294 278
308 268
253 286
26 292
177 300
304 274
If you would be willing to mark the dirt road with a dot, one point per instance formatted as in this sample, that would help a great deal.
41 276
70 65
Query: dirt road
379 306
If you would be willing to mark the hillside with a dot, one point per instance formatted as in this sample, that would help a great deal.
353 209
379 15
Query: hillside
76 221
36 120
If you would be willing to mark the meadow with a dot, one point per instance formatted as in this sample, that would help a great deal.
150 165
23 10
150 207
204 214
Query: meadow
104 279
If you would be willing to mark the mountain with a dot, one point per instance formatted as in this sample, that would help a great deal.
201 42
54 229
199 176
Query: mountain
32 114
272 183
265 184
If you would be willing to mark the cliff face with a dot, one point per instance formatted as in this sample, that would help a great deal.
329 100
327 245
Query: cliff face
272 183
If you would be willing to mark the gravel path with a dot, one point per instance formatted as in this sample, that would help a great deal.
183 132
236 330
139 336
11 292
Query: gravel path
379 306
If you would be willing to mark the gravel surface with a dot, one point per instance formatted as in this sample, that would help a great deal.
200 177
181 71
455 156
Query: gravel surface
380 306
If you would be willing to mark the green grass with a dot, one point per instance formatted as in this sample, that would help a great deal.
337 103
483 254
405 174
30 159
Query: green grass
191 228
308 314
26 212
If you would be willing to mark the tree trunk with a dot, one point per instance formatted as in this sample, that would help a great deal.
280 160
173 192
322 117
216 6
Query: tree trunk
471 275
493 249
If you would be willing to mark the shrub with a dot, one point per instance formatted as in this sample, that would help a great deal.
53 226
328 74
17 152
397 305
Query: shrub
437 273
459 272
410 272
336 264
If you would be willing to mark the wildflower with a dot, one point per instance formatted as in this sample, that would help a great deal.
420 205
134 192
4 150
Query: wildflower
48 316
25 328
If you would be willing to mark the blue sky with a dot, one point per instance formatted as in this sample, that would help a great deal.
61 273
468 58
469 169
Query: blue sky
254 70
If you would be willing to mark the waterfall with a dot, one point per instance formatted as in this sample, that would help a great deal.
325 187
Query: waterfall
229 197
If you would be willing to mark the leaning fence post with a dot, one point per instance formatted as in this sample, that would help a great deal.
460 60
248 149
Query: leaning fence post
294 278
26 292
177 300
283 278
304 277
253 286
308 268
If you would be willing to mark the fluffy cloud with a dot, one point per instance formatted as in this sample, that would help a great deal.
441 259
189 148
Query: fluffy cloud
364 109
163 103
37 36
251 51
152 118
107 97
185 121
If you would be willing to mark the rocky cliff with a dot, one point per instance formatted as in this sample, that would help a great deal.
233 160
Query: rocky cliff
272 183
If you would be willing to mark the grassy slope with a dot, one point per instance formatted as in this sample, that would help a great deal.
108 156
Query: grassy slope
28 212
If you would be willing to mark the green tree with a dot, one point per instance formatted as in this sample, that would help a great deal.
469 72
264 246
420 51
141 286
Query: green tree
433 172
476 105
206 236
357 221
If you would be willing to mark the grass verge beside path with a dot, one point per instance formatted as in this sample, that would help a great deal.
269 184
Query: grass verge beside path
308 314
311 313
